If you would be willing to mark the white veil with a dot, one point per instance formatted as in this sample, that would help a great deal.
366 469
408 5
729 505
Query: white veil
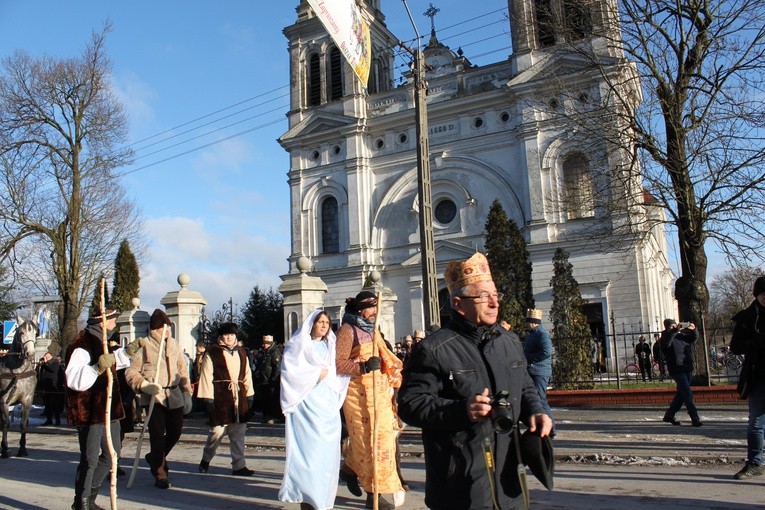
301 368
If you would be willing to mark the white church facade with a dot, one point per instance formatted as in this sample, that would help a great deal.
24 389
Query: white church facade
353 171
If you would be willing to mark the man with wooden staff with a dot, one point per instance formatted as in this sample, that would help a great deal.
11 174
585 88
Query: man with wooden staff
363 355
171 392
86 396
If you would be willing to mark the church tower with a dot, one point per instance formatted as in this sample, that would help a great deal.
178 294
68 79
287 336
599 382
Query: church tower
501 131
539 26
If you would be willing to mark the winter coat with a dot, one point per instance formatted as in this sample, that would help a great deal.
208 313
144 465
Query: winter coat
268 367
677 347
749 339
538 350
173 375
447 368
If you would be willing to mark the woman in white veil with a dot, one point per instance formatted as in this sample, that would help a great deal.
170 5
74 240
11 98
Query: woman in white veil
311 397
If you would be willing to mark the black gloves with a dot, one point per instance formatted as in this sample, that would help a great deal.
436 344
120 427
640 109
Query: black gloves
371 364
209 405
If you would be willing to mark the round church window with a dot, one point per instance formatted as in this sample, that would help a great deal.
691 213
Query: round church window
445 211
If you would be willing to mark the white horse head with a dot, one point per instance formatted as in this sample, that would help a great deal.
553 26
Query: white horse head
26 336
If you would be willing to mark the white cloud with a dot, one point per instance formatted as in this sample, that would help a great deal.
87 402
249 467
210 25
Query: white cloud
135 95
221 265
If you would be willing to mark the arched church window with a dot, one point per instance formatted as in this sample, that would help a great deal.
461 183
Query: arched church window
335 77
577 182
545 23
330 226
314 80
576 20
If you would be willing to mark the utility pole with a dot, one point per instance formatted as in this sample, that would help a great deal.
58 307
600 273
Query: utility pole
427 245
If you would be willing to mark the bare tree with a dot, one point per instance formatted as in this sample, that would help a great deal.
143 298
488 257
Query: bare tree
731 291
671 94
63 210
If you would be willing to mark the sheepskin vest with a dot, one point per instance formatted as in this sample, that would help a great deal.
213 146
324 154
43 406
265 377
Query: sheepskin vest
89 407
224 411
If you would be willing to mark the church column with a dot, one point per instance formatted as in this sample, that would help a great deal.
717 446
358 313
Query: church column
523 33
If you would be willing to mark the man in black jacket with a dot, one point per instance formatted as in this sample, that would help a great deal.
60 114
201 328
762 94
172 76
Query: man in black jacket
677 346
749 339
448 384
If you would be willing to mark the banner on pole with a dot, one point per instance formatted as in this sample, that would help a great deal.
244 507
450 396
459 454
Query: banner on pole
343 20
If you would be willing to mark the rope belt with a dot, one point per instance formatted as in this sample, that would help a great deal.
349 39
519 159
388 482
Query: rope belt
170 387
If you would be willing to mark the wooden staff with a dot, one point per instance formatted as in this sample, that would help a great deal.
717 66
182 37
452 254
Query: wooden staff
160 355
375 333
108 413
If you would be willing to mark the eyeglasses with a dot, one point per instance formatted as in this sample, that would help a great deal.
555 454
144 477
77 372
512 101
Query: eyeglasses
483 297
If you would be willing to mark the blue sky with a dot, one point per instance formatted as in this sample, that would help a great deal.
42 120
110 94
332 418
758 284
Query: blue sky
205 86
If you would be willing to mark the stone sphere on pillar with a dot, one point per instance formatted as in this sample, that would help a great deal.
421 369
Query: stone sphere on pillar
303 264
375 277
136 303
184 280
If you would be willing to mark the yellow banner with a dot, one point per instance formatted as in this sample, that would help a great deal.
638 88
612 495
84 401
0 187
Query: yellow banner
349 30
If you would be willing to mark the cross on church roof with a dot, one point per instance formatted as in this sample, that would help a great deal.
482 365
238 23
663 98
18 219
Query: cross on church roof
431 13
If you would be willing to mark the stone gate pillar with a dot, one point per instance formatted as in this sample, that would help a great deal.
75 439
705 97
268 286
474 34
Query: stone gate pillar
302 295
184 307
133 323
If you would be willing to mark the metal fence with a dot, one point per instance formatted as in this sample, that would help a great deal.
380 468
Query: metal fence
615 364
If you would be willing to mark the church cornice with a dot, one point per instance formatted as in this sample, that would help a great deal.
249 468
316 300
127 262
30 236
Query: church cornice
316 126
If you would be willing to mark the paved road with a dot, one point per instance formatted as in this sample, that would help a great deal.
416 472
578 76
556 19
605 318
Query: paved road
621 459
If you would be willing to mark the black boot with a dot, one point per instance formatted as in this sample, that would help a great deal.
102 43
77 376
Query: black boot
81 503
92 499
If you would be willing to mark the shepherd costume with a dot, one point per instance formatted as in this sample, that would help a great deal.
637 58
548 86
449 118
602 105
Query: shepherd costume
86 400
225 385
354 348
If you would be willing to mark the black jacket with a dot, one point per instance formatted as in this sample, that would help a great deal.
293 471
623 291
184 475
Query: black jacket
678 350
749 339
454 363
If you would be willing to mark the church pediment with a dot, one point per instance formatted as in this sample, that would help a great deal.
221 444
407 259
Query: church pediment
316 124
557 65
445 251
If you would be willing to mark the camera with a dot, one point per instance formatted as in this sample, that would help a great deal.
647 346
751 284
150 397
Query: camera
502 412
683 325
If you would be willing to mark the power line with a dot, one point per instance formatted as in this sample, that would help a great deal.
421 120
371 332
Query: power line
398 56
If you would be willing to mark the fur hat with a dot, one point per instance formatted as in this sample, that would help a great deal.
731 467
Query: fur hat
268 339
459 273
534 316
228 328
108 314
538 453
158 319
759 286
418 333
668 323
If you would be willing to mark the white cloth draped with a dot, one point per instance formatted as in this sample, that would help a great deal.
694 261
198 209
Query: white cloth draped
312 418
301 367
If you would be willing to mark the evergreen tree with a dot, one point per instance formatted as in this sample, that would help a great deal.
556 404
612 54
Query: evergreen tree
510 266
125 285
263 314
95 305
571 333
7 307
